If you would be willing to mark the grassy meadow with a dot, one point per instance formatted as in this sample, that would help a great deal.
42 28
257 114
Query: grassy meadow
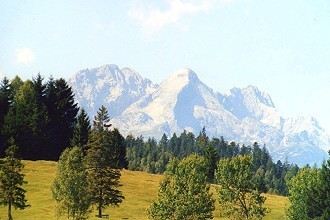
138 188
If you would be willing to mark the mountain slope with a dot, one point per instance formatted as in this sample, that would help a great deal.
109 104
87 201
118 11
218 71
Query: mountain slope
183 102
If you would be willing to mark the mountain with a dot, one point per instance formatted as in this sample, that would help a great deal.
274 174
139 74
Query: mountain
108 85
182 102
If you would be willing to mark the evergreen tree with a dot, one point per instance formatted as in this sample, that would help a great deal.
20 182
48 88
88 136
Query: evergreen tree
184 192
211 158
39 88
70 187
41 117
163 142
21 121
173 144
11 180
81 130
202 141
320 202
101 120
16 84
238 196
101 162
118 148
62 112
6 98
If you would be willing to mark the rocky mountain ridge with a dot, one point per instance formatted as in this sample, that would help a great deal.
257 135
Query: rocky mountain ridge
182 102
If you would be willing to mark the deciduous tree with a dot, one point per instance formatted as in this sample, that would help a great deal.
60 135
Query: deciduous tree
238 195
184 193
70 187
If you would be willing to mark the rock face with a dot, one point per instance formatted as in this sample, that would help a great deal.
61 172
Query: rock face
182 102
110 86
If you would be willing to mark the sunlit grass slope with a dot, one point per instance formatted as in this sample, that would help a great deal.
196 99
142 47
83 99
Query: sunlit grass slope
138 188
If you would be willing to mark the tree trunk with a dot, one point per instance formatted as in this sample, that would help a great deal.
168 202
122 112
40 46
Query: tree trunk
100 212
100 204
9 211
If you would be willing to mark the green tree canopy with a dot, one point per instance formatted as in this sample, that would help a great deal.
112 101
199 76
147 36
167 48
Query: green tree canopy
70 187
309 193
21 120
184 193
238 196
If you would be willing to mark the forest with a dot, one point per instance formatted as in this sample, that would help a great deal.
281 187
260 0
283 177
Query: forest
41 121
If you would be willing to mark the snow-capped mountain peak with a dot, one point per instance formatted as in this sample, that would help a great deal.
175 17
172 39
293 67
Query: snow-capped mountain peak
183 102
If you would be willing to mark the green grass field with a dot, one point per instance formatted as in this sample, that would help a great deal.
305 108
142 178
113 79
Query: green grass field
138 188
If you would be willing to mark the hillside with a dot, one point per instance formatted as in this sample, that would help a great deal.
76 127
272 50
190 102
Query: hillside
138 188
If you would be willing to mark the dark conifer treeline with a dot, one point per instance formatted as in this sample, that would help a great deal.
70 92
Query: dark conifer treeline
39 116
150 156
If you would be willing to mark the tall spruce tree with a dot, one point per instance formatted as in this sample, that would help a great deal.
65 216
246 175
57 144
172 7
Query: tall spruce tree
11 181
41 117
6 98
101 162
62 112
81 131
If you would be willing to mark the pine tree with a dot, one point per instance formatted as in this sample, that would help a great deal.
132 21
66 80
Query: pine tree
70 186
11 180
81 131
101 162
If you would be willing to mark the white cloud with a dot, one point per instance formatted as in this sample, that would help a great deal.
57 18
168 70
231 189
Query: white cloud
25 55
154 19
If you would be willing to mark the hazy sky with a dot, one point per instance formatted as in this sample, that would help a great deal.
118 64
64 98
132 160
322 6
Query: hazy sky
282 47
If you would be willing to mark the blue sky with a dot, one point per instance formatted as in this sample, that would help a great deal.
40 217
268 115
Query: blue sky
282 47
